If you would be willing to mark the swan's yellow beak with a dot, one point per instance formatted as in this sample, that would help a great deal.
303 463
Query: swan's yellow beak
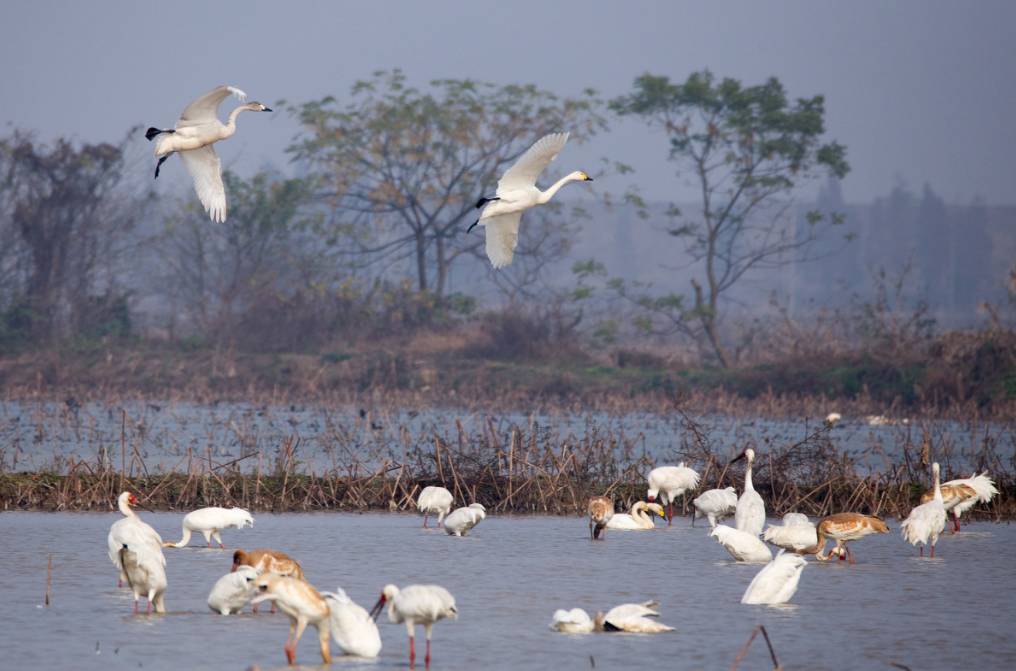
585 177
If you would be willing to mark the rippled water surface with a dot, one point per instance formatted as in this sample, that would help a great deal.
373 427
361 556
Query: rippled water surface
508 577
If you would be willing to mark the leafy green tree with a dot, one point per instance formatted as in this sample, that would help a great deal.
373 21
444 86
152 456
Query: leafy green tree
746 149
402 167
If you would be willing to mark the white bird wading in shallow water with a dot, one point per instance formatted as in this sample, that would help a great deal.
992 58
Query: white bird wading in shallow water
210 521
416 604
741 545
639 519
463 519
750 515
926 522
777 581
844 527
233 591
669 482
434 501
145 569
714 504
516 193
959 496
197 129
352 626
132 532
797 533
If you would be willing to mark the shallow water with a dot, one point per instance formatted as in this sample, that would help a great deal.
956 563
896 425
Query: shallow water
508 577
168 436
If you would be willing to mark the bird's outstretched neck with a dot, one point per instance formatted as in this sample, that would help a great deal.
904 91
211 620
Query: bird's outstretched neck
545 196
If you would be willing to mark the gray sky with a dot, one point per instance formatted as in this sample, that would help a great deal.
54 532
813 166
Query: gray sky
919 90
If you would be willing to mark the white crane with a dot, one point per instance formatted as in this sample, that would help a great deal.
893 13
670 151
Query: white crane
639 518
416 604
303 605
516 193
669 482
132 532
797 533
741 545
714 504
233 591
210 521
463 519
197 129
777 581
352 626
750 515
959 496
926 522
145 570
434 500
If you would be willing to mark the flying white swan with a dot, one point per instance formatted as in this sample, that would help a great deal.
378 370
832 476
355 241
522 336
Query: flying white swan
233 591
959 496
777 581
352 627
516 193
669 482
714 504
132 532
434 501
741 545
796 534
463 519
926 522
639 519
750 515
416 604
210 521
197 129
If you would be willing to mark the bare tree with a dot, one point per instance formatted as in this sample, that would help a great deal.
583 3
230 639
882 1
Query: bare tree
746 149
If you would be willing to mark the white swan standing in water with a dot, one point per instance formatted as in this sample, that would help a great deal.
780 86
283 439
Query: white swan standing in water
352 626
796 534
639 519
463 519
233 591
777 581
750 515
197 129
516 193
210 521
669 482
131 531
434 500
714 504
741 545
416 604
926 522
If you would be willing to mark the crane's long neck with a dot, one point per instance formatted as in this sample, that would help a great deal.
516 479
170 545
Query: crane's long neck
938 488
545 196
125 507
748 486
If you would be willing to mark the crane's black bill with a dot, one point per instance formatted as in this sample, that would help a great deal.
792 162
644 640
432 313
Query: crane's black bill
267 109
739 457
588 178
472 226
483 201
376 610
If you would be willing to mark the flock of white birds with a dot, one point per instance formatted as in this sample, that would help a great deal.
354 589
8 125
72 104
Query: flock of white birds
199 128
136 549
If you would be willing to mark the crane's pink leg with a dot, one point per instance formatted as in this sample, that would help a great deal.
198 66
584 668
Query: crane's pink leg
850 555
208 544
426 660
135 606
412 652
148 608
425 520
922 550
670 513
119 583
932 550
956 522
290 649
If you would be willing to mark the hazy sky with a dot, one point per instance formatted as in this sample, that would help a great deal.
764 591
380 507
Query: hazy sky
919 90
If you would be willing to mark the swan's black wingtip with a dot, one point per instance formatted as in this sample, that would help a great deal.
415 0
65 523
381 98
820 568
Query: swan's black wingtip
151 133
483 201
